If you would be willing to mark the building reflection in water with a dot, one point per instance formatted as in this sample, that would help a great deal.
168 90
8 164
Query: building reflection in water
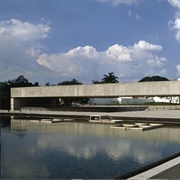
76 146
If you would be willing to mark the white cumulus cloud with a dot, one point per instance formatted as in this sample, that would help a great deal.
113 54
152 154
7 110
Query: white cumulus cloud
22 52
156 62
146 46
178 69
118 53
24 31
175 25
20 46
119 2
175 3
87 63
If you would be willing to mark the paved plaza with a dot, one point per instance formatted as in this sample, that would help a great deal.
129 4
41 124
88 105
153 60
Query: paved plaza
170 115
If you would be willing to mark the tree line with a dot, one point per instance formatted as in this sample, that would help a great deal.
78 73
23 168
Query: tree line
21 81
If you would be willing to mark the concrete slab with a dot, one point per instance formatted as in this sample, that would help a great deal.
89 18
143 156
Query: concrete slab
159 171
139 126
166 115
171 173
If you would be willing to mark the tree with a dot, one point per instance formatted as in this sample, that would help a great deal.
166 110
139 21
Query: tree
20 81
97 82
110 78
36 84
5 89
47 84
72 82
4 95
153 78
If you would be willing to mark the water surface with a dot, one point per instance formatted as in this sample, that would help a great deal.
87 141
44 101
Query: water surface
80 150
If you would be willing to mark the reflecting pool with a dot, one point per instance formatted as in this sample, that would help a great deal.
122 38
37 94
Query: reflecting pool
32 150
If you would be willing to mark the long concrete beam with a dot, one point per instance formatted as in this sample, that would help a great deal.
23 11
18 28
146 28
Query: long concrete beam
161 88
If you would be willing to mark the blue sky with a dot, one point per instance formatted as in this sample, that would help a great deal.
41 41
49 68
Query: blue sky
57 40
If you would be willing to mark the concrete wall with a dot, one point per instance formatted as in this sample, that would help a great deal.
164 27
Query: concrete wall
163 88
40 96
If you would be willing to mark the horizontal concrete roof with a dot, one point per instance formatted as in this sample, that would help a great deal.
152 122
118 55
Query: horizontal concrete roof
160 88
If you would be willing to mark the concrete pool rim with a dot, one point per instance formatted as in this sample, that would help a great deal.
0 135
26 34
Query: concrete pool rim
148 167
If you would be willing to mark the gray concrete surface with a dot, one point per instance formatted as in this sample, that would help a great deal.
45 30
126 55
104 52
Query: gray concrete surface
160 88
171 173
49 94
163 114
167 170
170 115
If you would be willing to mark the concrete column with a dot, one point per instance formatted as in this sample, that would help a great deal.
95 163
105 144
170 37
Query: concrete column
15 104
12 104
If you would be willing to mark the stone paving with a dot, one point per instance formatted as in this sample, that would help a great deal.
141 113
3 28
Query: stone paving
163 114
159 114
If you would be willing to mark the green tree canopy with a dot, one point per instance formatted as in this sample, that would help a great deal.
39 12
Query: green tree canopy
72 82
110 78
5 88
47 84
97 82
153 78
20 81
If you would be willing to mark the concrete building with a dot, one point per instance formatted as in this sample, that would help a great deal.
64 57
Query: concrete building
49 95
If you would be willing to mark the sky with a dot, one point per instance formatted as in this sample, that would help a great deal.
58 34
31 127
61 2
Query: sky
60 40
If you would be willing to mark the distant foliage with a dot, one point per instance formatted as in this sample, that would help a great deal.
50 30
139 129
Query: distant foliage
47 84
97 82
110 78
20 81
72 82
107 78
5 88
153 78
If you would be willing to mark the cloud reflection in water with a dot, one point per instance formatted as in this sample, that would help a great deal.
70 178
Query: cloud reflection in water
85 150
